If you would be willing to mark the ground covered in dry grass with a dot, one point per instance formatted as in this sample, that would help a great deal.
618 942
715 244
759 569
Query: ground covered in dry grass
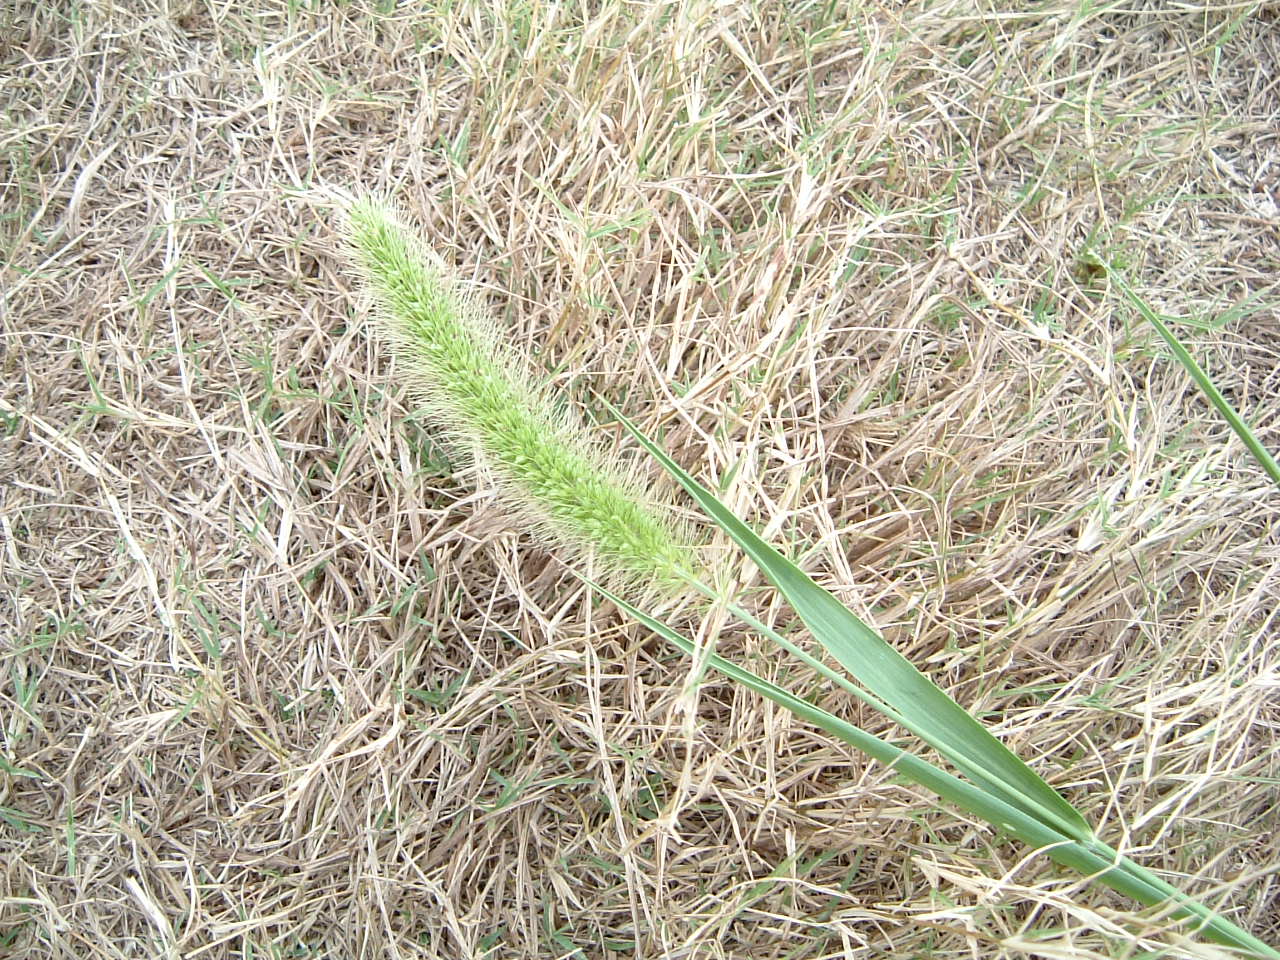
280 679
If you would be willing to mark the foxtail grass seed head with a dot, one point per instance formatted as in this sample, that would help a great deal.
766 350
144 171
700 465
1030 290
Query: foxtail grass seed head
484 397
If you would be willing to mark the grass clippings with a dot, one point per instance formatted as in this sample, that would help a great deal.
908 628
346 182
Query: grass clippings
278 677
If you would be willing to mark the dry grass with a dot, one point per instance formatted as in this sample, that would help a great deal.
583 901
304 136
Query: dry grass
277 681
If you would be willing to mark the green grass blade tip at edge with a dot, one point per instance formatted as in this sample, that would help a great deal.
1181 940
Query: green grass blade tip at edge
1206 385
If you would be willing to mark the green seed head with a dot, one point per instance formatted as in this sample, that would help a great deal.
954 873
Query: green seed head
483 396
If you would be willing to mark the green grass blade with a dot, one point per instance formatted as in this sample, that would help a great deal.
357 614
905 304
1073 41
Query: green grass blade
917 703
1092 859
972 798
1183 355
801 654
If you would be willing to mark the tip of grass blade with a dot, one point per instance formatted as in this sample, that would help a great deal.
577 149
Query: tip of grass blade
1197 373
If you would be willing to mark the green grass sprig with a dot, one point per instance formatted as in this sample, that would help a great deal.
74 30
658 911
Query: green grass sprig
1229 413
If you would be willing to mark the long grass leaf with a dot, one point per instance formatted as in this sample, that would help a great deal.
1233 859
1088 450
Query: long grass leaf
1092 858
917 703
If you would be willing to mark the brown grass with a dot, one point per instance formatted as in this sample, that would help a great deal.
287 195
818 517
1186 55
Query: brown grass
277 681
